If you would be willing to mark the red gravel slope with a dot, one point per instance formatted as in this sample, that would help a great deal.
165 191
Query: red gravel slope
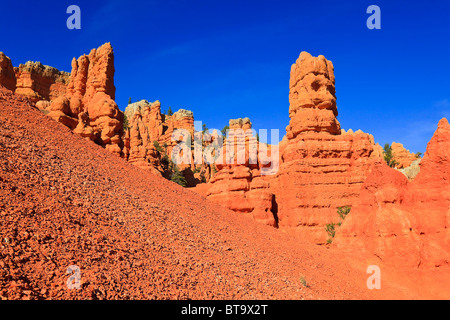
65 201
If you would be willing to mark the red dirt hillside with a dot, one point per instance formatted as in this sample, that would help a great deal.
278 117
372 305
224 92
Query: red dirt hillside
134 235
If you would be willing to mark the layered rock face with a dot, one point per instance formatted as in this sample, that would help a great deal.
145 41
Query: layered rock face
39 82
403 157
238 185
312 97
378 151
7 75
145 127
406 224
321 168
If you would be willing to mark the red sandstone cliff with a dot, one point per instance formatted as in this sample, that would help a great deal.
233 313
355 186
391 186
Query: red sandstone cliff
401 156
7 76
321 167
403 223
149 140
83 101
88 107
38 82
393 221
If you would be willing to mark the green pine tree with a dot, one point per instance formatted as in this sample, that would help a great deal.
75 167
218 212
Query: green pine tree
125 122
388 156
224 131
157 146
177 176
331 230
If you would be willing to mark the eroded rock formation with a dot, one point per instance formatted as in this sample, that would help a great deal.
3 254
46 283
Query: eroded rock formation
145 127
238 184
402 157
312 97
88 106
405 223
39 82
149 138
321 166
7 76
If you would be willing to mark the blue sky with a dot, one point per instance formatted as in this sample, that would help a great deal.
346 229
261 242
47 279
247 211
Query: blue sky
230 59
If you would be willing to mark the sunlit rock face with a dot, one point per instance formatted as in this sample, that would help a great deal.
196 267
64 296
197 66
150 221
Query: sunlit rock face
7 75
39 82
238 183
88 105
400 222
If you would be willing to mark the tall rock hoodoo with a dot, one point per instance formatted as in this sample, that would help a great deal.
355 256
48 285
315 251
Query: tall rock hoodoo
88 107
321 169
321 166
312 97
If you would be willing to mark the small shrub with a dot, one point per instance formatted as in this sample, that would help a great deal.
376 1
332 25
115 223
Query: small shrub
224 131
343 212
303 282
157 146
331 227
331 230
388 156
165 162
126 125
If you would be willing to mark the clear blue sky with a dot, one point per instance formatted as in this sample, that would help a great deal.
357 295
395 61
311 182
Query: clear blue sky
230 59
